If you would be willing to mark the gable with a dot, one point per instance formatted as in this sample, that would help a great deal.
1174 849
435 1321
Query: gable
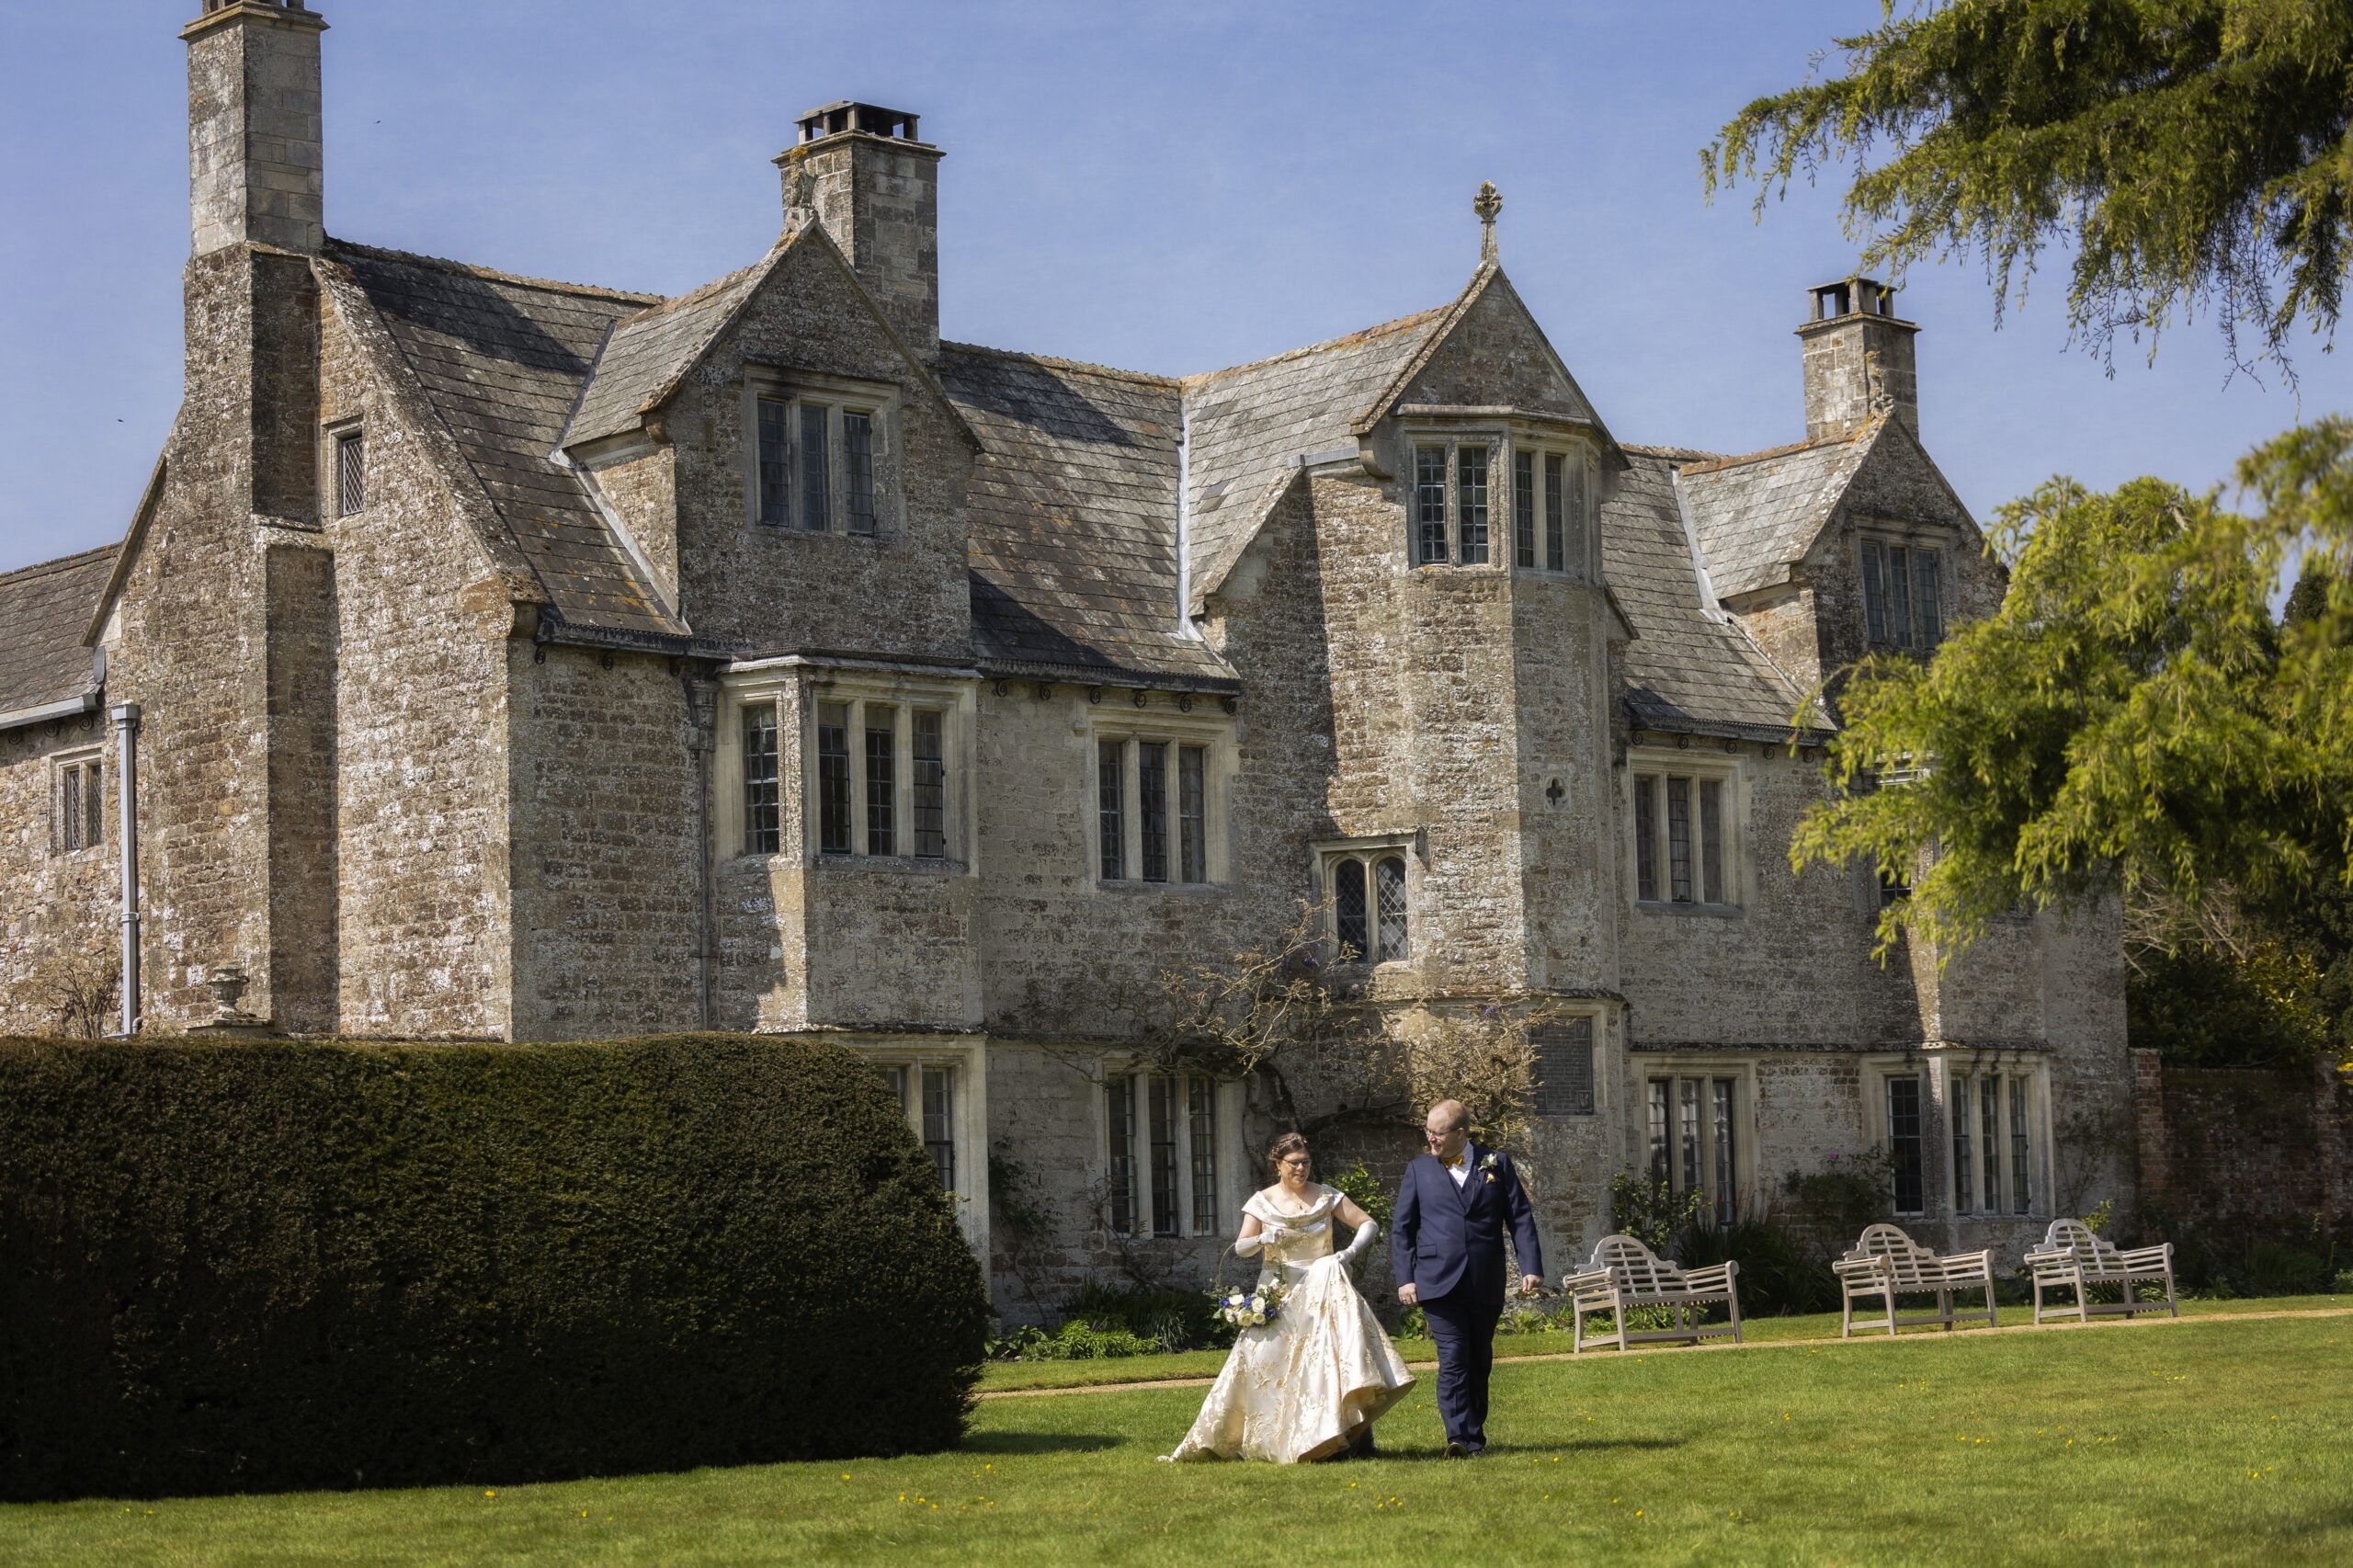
1492 354
1897 482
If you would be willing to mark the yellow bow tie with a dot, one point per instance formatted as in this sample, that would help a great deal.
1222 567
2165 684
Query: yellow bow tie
1455 1163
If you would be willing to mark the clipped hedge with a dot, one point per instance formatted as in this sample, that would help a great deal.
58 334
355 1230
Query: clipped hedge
257 1266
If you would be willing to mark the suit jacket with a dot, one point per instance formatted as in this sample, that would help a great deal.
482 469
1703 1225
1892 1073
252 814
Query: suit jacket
1444 1238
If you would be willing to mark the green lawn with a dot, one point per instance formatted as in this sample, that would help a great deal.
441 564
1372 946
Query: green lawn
2202 1442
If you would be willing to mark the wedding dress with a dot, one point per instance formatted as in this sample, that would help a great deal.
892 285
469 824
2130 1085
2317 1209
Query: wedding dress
1301 1387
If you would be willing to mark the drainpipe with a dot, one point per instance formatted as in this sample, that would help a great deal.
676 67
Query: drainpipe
126 727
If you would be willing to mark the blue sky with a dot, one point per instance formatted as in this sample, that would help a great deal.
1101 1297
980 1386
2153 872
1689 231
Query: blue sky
1171 186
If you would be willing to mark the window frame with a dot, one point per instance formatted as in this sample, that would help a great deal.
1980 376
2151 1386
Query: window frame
1228 1170
839 399
1705 1072
968 1117
1570 555
1178 732
1498 547
1729 773
1370 854
85 830
802 693
1926 625
2021 1108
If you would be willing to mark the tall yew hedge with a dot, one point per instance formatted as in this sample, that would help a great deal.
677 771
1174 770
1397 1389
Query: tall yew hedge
243 1267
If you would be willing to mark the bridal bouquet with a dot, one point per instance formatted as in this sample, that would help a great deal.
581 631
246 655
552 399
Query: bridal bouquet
1249 1309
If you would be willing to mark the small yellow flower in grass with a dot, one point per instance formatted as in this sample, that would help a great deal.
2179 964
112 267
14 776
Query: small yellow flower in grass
489 1493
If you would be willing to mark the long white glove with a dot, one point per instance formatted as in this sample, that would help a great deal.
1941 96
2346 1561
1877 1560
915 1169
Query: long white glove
1357 1248
1268 1234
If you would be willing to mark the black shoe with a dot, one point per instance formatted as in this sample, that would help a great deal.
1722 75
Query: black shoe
1472 1450
1455 1451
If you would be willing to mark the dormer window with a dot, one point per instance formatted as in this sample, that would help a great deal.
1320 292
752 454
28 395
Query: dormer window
819 458
1903 594
1460 472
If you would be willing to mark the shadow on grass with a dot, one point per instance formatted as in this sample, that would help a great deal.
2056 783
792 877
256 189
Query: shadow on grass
1036 1443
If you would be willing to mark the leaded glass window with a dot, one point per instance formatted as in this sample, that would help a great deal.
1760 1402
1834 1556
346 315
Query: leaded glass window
1201 1113
1683 839
81 805
761 833
1523 508
816 475
1678 839
1662 1092
1904 1144
930 783
857 472
833 778
1646 837
1192 814
1429 505
1719 1107
1471 501
775 462
1903 596
1151 810
350 473
1348 910
2020 1186
1965 1177
1110 808
1388 897
1120 1117
1556 553
1711 839
1989 1127
881 780
1164 1107
939 1122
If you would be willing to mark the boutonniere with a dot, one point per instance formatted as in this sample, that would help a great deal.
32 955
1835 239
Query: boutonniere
1489 1164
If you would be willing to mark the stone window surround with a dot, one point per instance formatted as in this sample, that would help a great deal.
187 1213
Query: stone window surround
1729 769
969 1117
1885 531
798 687
1707 1067
332 433
1950 1065
1235 1177
1215 734
1936 1069
1412 848
881 401
91 762
1501 439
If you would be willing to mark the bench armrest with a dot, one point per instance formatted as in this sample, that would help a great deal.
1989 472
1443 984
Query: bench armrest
2160 1254
2041 1255
1968 1264
1716 1277
1592 1280
1852 1268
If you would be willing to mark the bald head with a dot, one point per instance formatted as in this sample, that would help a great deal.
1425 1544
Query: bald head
1444 1130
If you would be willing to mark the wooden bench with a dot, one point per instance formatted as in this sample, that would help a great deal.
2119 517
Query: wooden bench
1623 1275
1887 1264
2073 1258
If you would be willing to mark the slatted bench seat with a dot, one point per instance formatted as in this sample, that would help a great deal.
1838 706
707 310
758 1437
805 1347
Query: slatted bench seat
1887 1264
1623 1275
2072 1258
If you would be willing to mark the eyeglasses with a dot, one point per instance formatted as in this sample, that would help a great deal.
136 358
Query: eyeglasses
1297 1162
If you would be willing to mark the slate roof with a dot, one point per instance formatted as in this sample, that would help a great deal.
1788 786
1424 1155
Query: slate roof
1757 515
1685 670
44 612
1249 425
646 353
1073 509
501 361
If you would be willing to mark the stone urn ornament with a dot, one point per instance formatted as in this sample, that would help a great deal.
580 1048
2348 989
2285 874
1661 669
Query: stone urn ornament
227 982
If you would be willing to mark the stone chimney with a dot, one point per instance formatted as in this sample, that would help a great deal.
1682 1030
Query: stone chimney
861 172
255 171
1857 358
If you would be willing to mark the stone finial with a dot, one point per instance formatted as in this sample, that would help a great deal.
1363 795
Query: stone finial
227 981
1487 204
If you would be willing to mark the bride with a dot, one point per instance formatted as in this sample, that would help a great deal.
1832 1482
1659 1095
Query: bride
1308 1385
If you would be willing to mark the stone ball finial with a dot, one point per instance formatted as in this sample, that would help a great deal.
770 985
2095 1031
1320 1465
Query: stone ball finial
1487 204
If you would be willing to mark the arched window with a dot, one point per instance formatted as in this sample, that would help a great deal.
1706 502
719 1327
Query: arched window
1348 910
1369 923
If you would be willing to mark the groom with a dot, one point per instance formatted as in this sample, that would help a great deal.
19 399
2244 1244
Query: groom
1446 1251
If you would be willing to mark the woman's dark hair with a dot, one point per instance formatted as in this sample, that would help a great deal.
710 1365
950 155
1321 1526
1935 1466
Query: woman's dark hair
1284 1147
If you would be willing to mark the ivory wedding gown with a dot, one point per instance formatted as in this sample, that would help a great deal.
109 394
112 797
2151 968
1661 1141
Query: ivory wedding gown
1299 1388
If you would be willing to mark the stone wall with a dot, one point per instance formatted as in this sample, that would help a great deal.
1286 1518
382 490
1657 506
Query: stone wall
55 904
2254 1152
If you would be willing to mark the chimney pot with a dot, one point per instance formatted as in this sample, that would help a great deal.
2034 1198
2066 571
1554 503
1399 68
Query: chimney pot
1857 359
860 170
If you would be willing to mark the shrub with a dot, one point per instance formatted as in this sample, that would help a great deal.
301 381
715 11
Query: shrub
1780 1273
277 1264
1079 1340
1173 1319
1650 1210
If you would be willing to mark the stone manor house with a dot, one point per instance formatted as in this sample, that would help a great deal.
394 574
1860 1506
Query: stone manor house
493 658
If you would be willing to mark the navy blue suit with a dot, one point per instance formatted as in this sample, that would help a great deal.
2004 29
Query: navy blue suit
1447 1243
